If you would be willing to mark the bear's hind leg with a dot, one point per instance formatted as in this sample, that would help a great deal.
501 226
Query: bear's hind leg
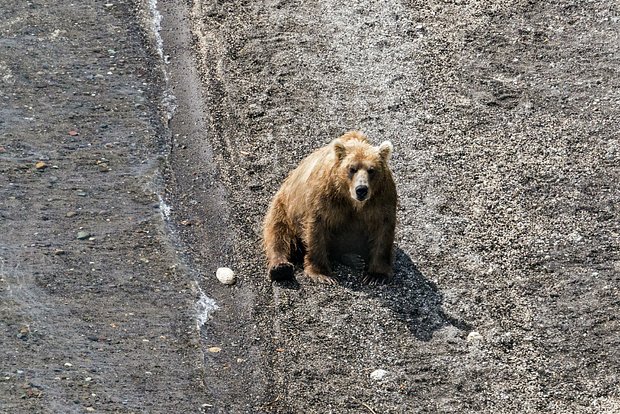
278 239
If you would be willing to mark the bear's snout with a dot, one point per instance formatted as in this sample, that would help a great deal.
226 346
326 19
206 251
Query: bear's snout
361 191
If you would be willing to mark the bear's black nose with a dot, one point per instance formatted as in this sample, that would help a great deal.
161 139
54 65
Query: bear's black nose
361 191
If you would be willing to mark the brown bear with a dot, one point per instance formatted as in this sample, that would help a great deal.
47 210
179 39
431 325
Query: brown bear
340 201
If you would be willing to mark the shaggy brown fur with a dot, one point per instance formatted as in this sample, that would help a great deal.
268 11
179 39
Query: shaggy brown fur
340 200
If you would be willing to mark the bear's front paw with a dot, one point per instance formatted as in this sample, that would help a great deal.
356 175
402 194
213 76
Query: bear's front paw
373 278
282 271
321 278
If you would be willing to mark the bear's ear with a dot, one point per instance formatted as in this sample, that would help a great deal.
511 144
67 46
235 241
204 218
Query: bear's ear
339 149
385 150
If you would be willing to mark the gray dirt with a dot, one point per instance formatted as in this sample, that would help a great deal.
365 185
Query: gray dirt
505 121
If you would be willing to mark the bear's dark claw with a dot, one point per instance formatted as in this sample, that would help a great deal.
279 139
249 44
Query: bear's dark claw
376 279
282 271
324 279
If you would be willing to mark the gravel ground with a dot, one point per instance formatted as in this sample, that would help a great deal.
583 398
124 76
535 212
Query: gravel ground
96 308
504 117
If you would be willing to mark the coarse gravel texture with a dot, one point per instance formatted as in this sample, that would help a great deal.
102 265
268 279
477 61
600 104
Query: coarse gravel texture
96 309
504 117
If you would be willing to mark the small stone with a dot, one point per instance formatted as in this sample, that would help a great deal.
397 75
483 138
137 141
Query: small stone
255 110
378 374
73 133
24 331
71 214
40 165
103 167
214 349
68 364
81 193
474 337
82 235
226 276
59 252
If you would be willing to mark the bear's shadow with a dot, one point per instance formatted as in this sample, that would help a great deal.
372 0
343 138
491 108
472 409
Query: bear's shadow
414 299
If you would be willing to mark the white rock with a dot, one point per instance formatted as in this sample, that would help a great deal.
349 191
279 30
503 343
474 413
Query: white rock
474 337
226 276
378 374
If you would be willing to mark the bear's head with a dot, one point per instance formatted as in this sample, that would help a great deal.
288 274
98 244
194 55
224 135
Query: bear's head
361 168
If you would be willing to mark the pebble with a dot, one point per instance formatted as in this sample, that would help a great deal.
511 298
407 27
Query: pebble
71 214
24 331
226 276
40 165
255 110
378 374
214 349
474 336
83 235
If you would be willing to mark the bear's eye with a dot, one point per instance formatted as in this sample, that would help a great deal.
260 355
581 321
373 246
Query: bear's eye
352 170
371 171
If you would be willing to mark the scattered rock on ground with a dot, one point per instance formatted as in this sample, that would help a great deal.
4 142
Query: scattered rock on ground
474 337
378 374
226 276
